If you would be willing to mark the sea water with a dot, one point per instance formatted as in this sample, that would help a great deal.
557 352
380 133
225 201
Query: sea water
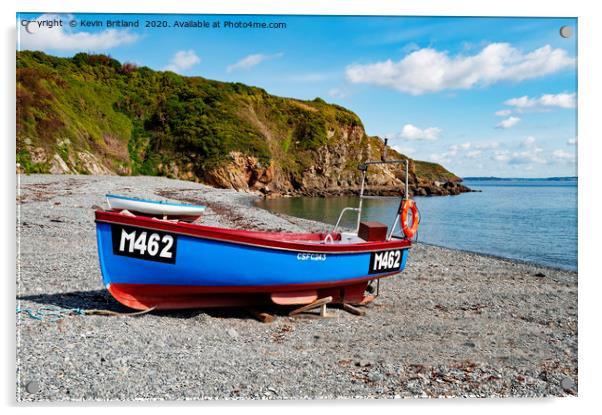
529 220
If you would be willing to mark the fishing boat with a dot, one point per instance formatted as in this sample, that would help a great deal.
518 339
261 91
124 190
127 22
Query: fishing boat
171 210
151 262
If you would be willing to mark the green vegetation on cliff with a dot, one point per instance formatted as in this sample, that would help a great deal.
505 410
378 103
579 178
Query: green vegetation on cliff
433 171
91 113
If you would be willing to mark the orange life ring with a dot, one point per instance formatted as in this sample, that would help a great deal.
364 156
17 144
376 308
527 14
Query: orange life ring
409 204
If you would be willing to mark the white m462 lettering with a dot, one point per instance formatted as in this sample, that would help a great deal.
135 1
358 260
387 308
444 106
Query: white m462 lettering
386 260
146 243
128 237
166 251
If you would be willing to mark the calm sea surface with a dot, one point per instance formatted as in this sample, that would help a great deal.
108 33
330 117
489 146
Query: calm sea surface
528 220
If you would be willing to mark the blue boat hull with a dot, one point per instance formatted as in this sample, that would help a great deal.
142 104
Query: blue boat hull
198 265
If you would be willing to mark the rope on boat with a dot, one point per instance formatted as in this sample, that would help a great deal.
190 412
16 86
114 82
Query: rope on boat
116 313
54 313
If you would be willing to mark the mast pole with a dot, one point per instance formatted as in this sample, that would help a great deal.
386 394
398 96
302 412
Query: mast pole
407 191
359 208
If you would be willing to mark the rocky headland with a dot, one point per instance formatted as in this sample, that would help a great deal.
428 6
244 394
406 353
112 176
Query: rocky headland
91 114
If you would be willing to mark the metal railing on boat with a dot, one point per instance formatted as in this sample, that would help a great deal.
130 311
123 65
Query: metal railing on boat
364 169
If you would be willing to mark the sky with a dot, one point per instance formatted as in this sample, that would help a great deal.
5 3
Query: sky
481 96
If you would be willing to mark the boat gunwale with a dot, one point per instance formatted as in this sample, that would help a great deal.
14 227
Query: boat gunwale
239 237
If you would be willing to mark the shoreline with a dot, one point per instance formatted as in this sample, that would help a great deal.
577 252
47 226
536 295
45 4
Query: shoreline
453 324
467 251
254 197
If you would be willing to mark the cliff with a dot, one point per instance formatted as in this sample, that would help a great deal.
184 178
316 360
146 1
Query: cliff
91 114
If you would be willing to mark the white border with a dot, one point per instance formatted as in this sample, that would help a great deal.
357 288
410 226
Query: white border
353 7
590 34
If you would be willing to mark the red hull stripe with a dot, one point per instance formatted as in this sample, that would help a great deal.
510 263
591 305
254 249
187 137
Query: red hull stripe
280 241
189 289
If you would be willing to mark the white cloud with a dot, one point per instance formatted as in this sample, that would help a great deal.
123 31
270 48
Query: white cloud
544 101
558 100
35 36
503 113
528 142
453 150
486 146
532 155
448 155
429 70
404 150
529 156
572 141
183 60
508 122
561 155
501 155
251 60
459 152
411 132
521 102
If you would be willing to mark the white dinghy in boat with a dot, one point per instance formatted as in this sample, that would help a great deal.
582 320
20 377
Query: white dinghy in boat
167 210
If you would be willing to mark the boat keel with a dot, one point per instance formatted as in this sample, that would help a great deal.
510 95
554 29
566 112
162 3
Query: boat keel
144 296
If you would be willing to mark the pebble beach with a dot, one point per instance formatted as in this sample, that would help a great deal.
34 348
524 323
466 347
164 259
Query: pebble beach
453 324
